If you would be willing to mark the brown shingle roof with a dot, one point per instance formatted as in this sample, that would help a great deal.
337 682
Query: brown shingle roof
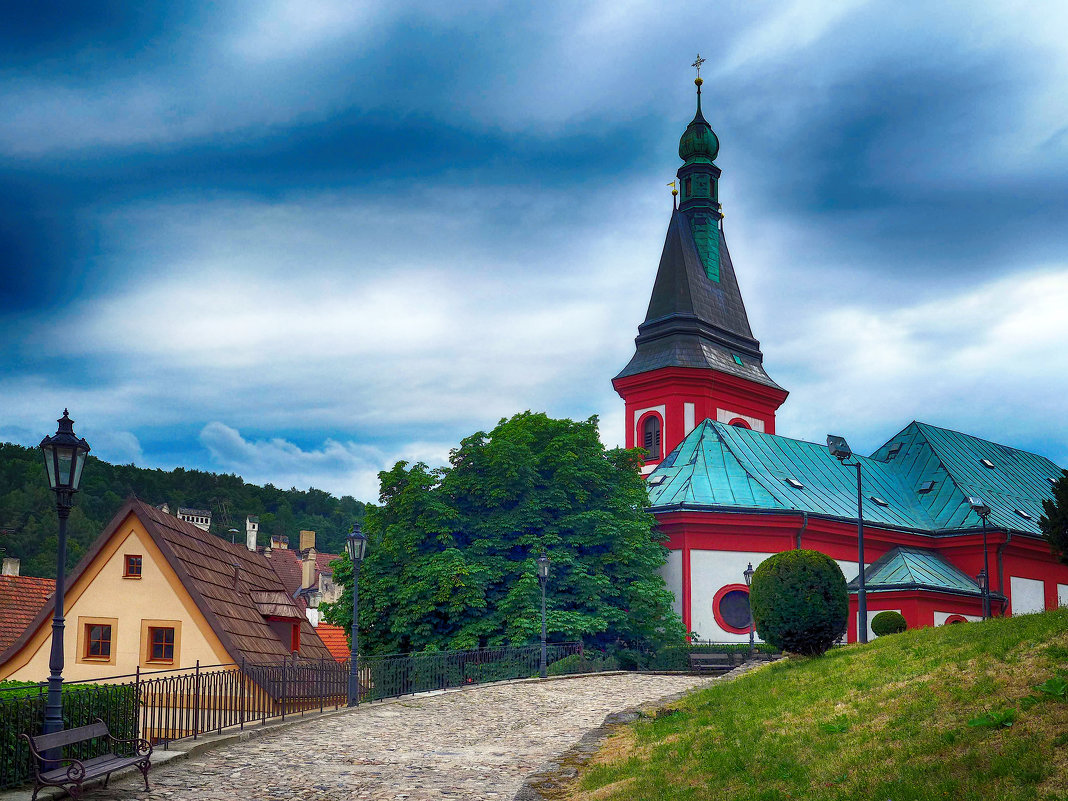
219 576
21 598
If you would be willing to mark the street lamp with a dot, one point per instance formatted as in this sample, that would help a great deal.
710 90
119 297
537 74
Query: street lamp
984 588
543 580
748 573
356 546
840 450
64 458
981 509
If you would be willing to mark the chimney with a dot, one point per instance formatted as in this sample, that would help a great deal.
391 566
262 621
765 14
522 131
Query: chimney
280 541
252 528
11 566
307 566
307 540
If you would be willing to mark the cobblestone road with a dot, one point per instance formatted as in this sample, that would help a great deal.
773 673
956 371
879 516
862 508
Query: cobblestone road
477 744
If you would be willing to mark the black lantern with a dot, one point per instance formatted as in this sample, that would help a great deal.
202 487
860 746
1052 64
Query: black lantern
983 510
64 457
543 568
981 580
356 546
841 451
748 573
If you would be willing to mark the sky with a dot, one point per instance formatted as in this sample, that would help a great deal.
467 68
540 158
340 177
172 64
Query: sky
301 241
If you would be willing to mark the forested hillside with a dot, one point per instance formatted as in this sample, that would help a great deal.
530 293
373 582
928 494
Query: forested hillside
28 514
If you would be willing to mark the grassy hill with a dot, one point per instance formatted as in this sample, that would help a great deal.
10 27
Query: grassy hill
973 711
28 512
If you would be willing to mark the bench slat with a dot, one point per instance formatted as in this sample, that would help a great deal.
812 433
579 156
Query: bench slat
45 742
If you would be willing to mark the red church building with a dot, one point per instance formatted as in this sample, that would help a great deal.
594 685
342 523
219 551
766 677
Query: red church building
727 491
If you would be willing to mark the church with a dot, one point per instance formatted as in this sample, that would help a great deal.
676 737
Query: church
944 513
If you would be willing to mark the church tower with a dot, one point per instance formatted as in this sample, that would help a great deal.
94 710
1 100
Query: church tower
695 355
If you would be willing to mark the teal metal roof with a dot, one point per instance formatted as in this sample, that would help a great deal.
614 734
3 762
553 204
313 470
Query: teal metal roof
904 568
719 466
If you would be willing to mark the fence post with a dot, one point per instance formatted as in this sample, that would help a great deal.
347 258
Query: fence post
196 696
284 661
137 702
241 689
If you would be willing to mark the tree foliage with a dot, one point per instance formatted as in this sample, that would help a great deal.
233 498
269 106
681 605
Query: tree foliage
28 507
888 622
1054 521
451 554
800 601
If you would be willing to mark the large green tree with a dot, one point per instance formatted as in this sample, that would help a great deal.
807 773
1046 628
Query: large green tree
1054 523
451 556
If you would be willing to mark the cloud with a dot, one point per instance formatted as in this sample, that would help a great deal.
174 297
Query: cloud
343 468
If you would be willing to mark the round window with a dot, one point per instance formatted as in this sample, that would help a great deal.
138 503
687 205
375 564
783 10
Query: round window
734 609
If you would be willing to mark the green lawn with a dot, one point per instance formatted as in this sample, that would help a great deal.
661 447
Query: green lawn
935 713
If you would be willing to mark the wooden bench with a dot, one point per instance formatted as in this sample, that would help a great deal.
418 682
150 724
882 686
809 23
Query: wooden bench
71 773
706 662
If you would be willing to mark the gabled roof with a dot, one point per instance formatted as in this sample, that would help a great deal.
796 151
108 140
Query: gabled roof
915 568
219 576
693 321
21 598
719 466
1016 480
287 565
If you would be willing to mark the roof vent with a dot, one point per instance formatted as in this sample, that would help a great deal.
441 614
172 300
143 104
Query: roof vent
793 482
926 487
656 480
877 500
1022 514
989 465
895 449
1052 481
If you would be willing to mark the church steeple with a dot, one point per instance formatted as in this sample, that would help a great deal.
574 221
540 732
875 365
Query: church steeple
695 354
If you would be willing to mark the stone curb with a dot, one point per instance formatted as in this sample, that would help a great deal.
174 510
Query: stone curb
205 742
552 776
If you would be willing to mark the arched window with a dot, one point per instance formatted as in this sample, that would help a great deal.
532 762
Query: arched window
955 619
740 423
651 437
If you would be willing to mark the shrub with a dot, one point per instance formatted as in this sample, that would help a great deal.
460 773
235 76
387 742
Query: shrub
800 602
888 622
589 662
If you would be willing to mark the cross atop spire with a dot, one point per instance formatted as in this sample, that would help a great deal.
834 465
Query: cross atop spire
698 64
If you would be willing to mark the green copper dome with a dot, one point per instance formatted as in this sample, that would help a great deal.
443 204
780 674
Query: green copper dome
699 143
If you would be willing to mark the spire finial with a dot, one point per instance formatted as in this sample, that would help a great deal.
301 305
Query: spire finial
698 64
674 194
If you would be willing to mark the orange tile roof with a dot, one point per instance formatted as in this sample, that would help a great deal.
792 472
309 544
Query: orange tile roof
334 639
21 598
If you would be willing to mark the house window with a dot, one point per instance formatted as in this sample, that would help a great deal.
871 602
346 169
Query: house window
688 188
739 422
160 644
131 567
294 637
651 437
97 641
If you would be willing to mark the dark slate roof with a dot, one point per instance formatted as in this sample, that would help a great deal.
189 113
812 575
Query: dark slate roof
693 321
915 568
724 467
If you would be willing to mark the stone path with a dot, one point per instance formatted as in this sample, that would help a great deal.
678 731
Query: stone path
477 744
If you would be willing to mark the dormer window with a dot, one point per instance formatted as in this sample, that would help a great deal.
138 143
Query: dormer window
651 437
878 501
926 487
989 465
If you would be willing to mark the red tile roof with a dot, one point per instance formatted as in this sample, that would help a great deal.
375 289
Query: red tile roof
21 598
334 639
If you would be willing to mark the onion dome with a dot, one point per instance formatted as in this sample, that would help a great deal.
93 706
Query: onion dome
699 143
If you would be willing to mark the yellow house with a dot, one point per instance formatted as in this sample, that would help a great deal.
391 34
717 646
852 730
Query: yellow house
157 593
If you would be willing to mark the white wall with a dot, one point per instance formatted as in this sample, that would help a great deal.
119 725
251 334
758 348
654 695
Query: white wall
871 614
1062 595
1026 595
672 573
940 617
709 572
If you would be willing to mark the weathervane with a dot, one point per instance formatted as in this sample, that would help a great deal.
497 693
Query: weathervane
698 64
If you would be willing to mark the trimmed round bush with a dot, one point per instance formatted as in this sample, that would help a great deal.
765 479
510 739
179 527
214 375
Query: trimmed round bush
888 622
800 602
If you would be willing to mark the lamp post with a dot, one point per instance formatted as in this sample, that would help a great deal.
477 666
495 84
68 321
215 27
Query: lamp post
748 573
840 450
64 457
984 587
543 580
356 546
981 509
